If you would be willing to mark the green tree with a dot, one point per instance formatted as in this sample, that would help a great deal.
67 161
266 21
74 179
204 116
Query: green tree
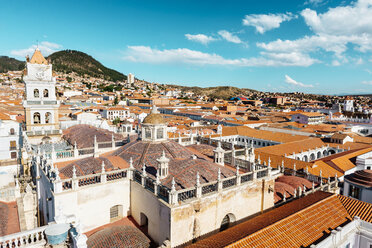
116 121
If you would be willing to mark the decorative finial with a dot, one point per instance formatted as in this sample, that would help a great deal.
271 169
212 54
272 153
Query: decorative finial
157 177
131 163
74 172
103 167
57 174
284 197
144 170
219 174
173 185
237 170
197 179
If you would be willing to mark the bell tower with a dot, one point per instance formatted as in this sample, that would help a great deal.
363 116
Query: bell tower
41 105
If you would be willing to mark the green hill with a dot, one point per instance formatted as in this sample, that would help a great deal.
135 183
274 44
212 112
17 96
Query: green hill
219 92
68 61
10 64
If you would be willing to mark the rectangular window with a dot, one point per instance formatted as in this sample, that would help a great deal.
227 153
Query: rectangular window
354 192
13 145
148 133
159 134
13 155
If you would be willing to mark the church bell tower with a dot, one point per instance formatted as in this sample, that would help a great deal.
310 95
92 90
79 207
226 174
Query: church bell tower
41 105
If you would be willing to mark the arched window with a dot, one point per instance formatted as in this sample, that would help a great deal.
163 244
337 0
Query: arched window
36 93
48 116
227 221
37 118
46 93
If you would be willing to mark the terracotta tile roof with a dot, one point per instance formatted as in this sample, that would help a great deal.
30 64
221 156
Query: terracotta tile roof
357 208
9 222
295 146
310 114
267 219
261 134
342 162
361 177
182 166
121 236
38 58
83 135
299 223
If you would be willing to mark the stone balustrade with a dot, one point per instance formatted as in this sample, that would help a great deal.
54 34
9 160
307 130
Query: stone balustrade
82 181
28 238
175 197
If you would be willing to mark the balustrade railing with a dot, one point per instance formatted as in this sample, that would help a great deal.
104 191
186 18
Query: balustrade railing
67 184
113 175
105 145
262 173
209 188
163 193
186 194
84 151
229 182
24 239
137 177
246 177
89 180
149 184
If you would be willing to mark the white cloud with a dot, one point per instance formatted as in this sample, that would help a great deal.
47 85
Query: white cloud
145 54
201 38
291 81
263 23
316 2
335 30
367 82
229 36
359 61
369 71
336 63
45 47
354 19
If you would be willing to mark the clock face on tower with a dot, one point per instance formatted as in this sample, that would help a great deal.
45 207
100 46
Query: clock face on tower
41 73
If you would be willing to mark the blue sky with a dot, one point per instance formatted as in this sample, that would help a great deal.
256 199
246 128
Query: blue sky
315 46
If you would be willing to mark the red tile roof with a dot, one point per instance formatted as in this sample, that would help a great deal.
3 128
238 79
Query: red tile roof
9 222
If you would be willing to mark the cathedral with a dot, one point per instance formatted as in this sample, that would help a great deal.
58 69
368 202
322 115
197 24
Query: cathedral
173 193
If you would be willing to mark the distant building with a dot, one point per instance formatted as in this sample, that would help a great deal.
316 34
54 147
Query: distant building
308 118
349 104
9 140
358 185
279 100
130 78
116 112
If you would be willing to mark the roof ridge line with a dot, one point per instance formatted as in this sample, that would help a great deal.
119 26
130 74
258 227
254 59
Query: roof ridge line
298 212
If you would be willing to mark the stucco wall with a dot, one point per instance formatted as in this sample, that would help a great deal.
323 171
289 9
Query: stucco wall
91 204
241 201
158 213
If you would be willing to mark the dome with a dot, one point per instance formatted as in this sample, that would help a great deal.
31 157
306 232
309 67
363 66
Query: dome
295 182
361 177
154 118
118 237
